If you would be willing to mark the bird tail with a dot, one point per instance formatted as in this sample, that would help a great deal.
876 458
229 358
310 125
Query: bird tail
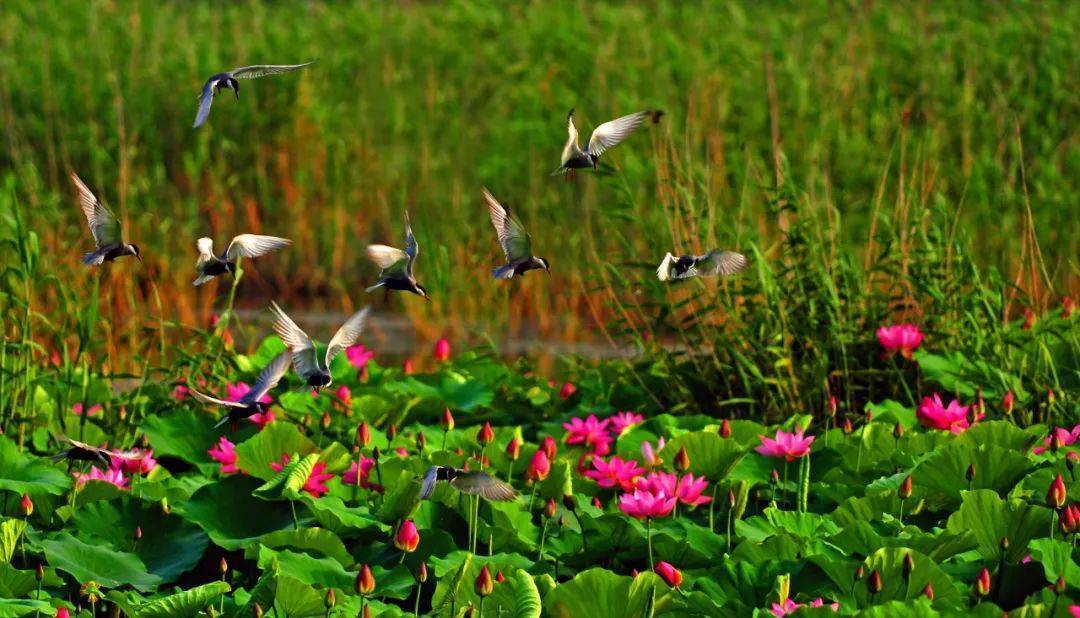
664 272
375 287
506 271
224 419
93 258
202 279
560 171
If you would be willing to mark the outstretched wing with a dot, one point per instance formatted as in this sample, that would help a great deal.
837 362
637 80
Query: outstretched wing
254 245
392 261
347 334
269 378
104 225
427 485
411 246
718 262
206 99
516 242
262 70
664 272
214 400
206 250
482 484
612 132
301 346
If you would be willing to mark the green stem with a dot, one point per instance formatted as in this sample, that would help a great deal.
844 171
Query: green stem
901 512
903 382
712 507
510 473
804 483
480 614
532 497
296 521
416 603
648 538
783 488
543 537
730 513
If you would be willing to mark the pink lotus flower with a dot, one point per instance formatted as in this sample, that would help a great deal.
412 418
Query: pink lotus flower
669 573
1064 437
932 413
687 489
344 395
903 338
262 419
1074 611
233 392
615 473
359 356
401 451
567 390
651 457
790 446
224 452
180 391
62 612
590 432
135 461
77 409
624 420
111 476
365 466
644 504
441 352
316 482
789 606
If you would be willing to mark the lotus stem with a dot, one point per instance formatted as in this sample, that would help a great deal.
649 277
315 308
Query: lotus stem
543 537
730 514
901 518
648 541
804 483
712 507
296 521
480 614
416 603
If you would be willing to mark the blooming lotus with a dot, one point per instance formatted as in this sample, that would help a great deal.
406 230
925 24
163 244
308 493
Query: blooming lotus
669 573
233 392
644 504
615 473
624 420
77 409
358 356
224 452
790 446
135 461
590 432
652 457
902 338
687 489
364 467
1064 437
789 606
934 414
111 476
316 481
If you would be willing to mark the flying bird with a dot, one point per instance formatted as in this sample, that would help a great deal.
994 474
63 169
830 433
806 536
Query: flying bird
305 358
516 242
81 451
242 246
470 482
230 80
715 262
104 226
397 265
249 404
604 137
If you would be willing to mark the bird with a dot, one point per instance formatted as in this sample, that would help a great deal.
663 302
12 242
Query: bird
81 451
715 262
604 137
230 80
397 265
305 359
470 482
516 242
104 226
242 246
249 404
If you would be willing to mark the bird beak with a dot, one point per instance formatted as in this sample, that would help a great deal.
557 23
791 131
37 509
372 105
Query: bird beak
139 257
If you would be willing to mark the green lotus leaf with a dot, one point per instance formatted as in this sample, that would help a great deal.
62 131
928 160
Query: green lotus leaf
13 608
599 593
710 455
943 473
990 518
891 412
325 572
1002 434
11 530
186 434
184 604
298 599
94 562
345 521
1056 558
255 454
16 583
21 474
803 525
889 563
231 515
458 570
319 540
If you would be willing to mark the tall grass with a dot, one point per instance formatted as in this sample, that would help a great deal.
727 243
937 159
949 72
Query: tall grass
845 124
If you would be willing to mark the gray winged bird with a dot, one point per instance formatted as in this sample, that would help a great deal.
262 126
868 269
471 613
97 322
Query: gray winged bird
604 137
397 265
104 226
715 262
242 246
230 81
467 482
249 404
516 242
81 451
305 358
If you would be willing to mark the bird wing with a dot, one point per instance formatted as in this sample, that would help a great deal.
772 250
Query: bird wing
515 241
214 400
612 132
347 334
719 262
104 225
664 273
427 485
484 485
206 250
269 378
206 99
262 70
301 346
254 245
392 261
412 248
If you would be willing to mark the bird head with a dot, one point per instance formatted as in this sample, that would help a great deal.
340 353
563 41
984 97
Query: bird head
544 264
422 291
135 251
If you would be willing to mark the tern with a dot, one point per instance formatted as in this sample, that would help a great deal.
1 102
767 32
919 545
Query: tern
104 226
305 358
230 80
603 138
516 242
242 246
715 262
469 482
249 404
397 265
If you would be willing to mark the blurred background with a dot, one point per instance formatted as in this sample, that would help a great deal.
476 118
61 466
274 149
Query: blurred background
852 138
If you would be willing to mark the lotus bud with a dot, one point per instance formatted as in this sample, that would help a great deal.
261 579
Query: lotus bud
1050 398
596 502
441 352
365 581
138 534
513 449
407 538
831 408
1071 459
458 451
860 572
731 498
549 447
982 583
257 610
421 573
324 422
1029 319
539 467
682 460
969 475
1067 307
376 453
1008 402
363 434
421 441
486 434
1056 495
1055 442
725 428
223 566
874 583
909 566
306 421
447 420
669 573
550 507
27 505
898 431
905 489
165 506
774 478
928 591
1059 585
391 431
39 573
484 584
407 367
847 426
330 600
869 416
